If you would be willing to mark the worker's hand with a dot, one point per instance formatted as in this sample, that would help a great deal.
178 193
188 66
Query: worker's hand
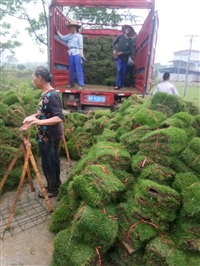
114 53
28 119
119 53
36 121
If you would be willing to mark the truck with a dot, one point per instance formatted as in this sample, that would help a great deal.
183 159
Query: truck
95 96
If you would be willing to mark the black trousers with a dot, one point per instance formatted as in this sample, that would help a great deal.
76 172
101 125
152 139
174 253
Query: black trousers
130 72
51 164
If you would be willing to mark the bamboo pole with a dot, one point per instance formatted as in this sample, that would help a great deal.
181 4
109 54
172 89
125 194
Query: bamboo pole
12 212
66 150
28 170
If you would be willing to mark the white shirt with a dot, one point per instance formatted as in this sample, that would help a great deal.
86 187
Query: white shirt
166 87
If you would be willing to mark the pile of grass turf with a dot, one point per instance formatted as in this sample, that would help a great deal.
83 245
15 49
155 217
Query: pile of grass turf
167 104
191 155
147 117
158 173
196 124
96 227
107 135
133 232
100 66
191 198
72 252
97 185
132 139
113 153
182 120
170 142
135 192
163 252
187 234
184 180
153 199
65 211
15 105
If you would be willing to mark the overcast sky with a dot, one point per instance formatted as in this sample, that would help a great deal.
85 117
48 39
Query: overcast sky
177 18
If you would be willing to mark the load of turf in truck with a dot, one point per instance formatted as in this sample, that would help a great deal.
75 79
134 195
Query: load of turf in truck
133 197
99 67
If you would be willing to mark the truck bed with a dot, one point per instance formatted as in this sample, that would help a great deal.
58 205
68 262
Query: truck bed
100 88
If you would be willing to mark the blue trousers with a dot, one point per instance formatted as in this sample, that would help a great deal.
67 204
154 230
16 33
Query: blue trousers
75 65
50 164
121 72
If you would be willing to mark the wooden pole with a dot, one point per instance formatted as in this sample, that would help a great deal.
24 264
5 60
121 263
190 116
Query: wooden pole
66 150
28 170
12 212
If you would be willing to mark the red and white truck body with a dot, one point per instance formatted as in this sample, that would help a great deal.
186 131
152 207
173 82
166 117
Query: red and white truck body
94 96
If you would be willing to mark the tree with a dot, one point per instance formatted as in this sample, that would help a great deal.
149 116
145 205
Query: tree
37 24
8 43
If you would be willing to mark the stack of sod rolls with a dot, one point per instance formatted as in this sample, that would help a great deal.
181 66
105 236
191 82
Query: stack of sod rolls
15 105
133 198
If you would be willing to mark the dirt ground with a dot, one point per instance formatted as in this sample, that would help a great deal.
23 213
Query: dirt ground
33 246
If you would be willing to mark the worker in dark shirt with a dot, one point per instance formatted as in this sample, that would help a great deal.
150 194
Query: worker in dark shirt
48 120
122 49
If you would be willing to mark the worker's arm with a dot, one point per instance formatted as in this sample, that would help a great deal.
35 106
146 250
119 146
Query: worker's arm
47 122
114 44
62 37
30 118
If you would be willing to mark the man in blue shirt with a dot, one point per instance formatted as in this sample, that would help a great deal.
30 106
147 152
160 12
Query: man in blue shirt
74 42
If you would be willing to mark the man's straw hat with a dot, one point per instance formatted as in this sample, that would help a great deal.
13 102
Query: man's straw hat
132 31
73 23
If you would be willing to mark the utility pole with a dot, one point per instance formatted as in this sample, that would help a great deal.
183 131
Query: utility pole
188 63
179 65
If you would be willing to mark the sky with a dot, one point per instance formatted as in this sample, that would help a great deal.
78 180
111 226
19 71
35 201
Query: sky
177 19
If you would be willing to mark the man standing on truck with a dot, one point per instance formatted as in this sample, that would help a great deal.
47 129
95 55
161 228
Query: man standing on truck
122 49
74 42
166 86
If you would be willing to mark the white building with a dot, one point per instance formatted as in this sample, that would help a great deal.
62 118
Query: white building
178 66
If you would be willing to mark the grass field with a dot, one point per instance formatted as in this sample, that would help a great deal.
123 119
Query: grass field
192 92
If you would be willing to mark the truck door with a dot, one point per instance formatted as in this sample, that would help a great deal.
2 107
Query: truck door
146 46
58 51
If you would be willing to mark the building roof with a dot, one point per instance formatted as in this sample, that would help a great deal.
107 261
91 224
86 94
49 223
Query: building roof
181 51
168 69
191 61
